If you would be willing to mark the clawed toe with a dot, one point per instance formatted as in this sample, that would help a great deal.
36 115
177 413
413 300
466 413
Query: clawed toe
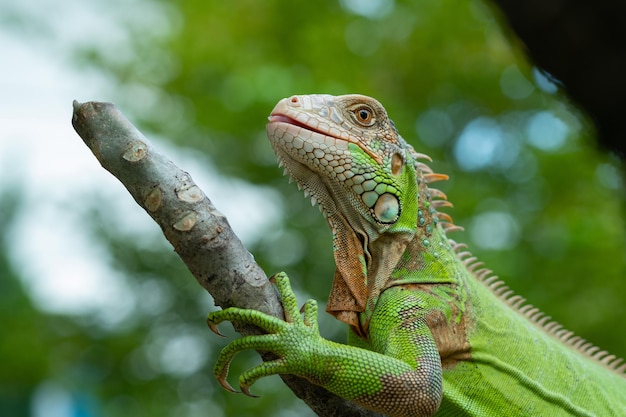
246 390
214 328
224 383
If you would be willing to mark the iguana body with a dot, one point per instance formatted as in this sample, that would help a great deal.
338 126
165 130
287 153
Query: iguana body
431 331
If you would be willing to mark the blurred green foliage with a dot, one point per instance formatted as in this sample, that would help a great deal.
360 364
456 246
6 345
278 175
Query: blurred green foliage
540 205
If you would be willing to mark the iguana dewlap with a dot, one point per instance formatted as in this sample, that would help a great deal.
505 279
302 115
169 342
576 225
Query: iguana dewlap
431 332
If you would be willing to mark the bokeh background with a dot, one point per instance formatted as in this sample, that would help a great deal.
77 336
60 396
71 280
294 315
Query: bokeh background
98 317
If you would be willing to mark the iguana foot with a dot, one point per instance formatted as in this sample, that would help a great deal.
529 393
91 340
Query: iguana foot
291 339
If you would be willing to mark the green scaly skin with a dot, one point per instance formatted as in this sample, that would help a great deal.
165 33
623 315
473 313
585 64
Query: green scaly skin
431 333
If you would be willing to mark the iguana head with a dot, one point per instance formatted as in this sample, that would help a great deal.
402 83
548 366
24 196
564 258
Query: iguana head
346 153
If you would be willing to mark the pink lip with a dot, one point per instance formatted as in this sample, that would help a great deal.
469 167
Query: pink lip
281 118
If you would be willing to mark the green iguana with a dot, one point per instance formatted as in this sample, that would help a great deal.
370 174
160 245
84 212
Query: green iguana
431 331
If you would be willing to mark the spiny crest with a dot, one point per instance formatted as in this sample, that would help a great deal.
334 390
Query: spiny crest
436 198
545 322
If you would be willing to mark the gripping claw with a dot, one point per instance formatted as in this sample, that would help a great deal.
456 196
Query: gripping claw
224 383
214 328
246 390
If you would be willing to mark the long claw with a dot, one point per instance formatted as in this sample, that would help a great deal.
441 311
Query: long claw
224 383
214 328
246 390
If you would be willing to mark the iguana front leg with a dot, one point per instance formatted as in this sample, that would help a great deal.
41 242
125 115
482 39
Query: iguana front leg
404 379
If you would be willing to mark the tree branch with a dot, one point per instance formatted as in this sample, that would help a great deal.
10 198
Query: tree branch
199 233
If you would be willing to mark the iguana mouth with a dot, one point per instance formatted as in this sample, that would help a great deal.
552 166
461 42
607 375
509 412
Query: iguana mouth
283 118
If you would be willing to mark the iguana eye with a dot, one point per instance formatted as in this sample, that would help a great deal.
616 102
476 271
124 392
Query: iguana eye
364 115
